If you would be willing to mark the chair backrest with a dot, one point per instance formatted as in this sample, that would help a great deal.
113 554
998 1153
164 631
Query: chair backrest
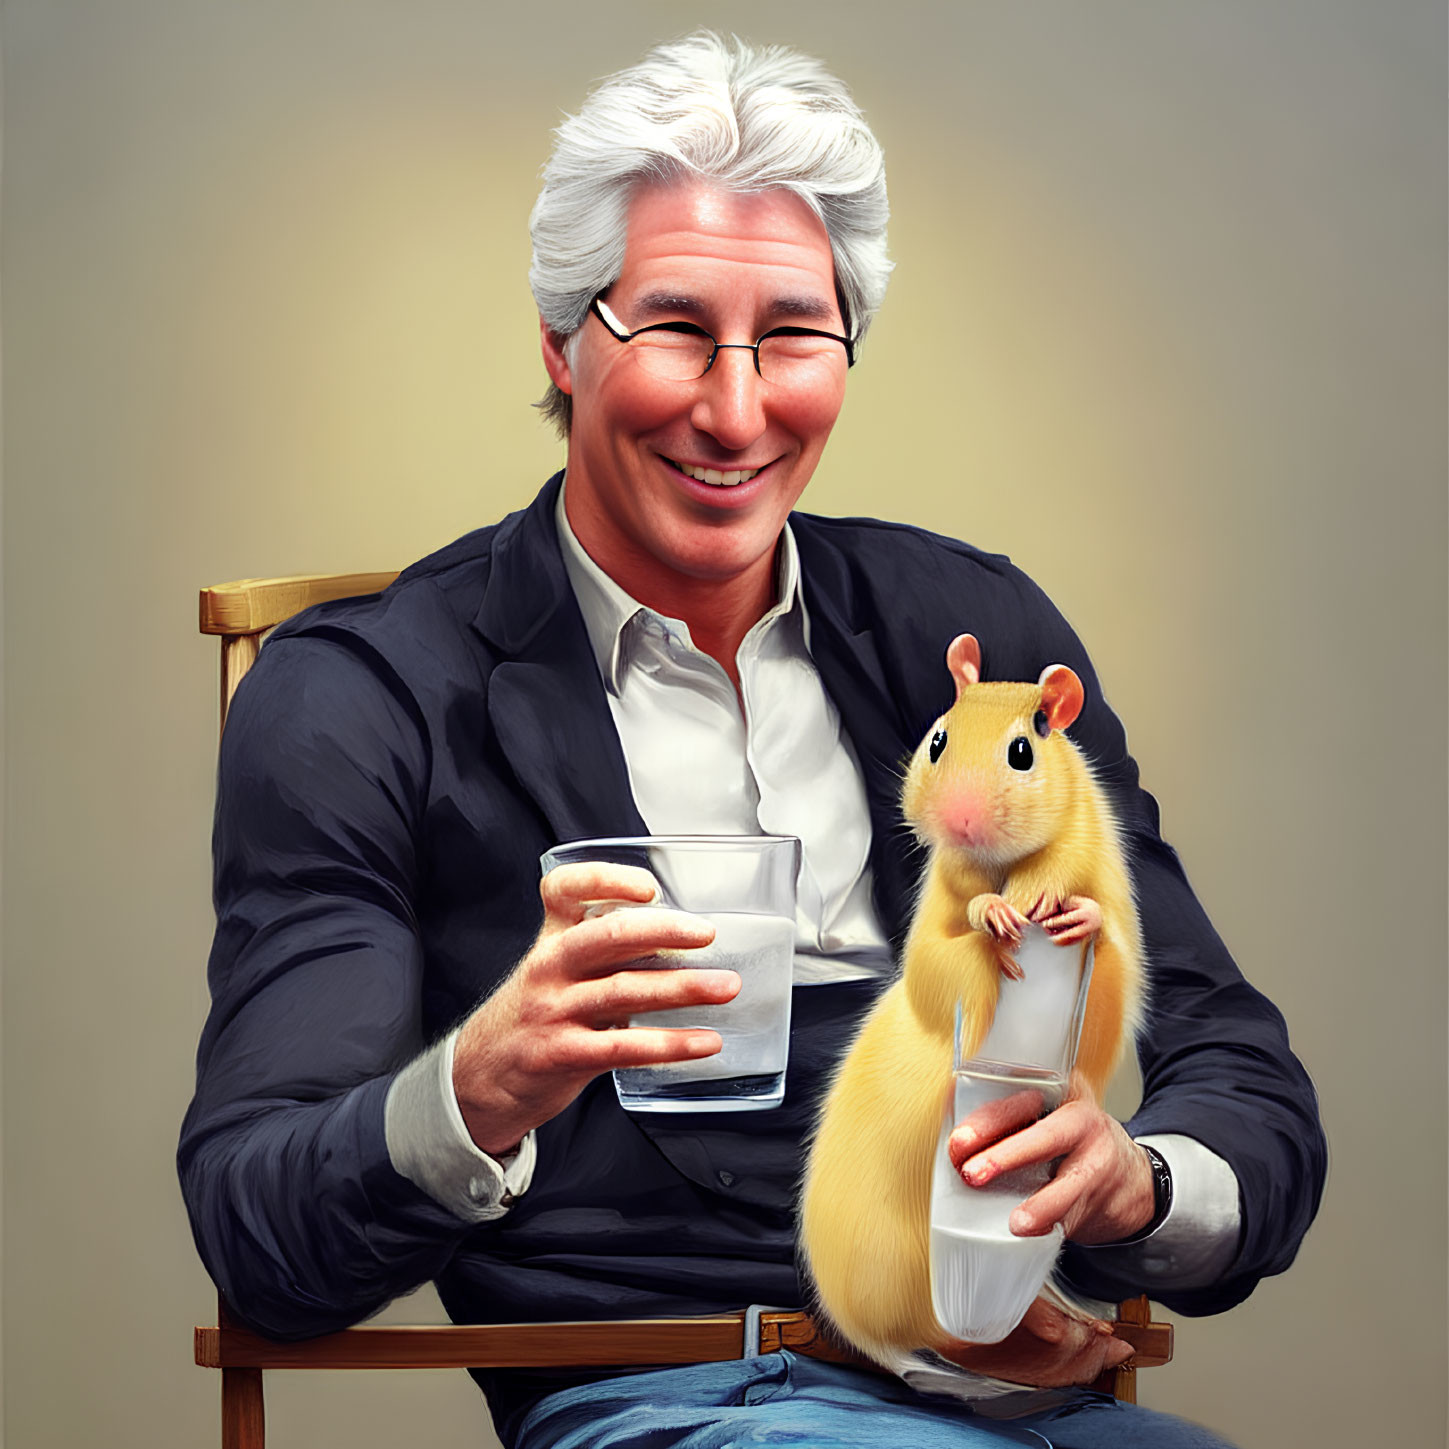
243 611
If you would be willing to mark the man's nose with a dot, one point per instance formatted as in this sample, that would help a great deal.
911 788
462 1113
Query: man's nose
731 404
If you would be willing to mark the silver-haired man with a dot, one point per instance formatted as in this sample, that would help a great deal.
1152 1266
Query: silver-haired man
659 643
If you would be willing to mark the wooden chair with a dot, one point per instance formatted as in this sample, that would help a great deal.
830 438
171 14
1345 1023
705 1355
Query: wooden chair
241 613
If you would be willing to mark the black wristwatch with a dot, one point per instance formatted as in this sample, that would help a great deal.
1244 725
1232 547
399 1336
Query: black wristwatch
1161 1198
1161 1188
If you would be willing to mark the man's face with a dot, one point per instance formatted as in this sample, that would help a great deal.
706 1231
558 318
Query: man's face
737 265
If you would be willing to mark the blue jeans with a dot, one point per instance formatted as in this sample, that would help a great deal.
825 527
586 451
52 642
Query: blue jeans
783 1398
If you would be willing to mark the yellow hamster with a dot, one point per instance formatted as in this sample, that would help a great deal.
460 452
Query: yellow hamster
1017 828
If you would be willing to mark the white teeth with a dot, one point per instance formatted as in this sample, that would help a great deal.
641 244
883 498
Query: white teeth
717 479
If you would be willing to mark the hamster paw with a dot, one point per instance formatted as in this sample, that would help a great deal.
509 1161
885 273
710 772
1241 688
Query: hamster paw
990 913
1045 906
1073 919
1006 963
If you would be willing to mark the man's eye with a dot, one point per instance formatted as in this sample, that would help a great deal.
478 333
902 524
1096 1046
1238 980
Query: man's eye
797 342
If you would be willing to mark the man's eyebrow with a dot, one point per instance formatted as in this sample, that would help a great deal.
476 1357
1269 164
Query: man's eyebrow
810 307
665 304
670 304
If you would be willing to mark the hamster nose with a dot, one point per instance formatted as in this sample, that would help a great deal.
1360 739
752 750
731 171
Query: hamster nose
963 817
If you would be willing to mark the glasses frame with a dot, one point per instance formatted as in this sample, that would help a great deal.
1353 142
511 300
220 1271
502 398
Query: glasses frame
617 331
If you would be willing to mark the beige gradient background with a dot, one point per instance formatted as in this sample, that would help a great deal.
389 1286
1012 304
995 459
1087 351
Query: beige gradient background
1168 326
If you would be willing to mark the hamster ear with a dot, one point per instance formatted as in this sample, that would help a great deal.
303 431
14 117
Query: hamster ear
1062 695
963 659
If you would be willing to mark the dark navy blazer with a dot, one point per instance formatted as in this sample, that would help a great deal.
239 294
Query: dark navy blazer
391 771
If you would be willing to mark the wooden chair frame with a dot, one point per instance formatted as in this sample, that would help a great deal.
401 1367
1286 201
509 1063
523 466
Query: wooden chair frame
240 614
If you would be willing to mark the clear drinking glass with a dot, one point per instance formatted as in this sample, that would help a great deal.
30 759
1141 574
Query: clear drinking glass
744 885
984 1277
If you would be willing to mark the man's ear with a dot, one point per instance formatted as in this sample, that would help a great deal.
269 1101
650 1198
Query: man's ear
554 361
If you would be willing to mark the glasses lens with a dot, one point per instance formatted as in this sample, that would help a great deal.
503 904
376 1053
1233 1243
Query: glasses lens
678 356
786 359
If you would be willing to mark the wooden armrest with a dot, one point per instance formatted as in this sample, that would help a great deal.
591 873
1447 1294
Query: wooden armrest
1151 1343
495 1345
249 606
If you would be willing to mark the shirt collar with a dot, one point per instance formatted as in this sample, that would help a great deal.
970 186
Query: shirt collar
608 609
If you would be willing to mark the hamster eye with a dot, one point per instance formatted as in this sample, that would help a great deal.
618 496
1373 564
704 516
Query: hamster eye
1041 724
938 743
1018 754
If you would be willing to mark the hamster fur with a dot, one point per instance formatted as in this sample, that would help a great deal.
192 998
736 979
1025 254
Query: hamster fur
996 831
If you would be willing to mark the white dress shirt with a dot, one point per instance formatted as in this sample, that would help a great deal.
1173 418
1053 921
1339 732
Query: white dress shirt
771 759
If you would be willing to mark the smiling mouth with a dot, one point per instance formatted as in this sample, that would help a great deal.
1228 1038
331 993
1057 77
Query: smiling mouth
713 476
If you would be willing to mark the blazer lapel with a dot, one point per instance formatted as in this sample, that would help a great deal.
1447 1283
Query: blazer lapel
853 659
546 700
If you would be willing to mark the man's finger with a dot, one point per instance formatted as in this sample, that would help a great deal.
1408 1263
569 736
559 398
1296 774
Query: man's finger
1052 1203
1054 1135
611 1000
601 943
567 890
1045 1320
992 1121
1084 1347
603 1051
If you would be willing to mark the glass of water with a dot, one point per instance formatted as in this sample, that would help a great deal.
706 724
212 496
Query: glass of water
744 885
984 1277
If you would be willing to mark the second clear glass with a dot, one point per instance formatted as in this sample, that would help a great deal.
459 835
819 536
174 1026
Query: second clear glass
984 1277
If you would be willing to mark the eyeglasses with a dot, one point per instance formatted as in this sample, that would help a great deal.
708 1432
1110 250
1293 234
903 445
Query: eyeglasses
682 351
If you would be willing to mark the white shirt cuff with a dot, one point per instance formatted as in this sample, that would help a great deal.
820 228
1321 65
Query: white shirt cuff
430 1146
1195 1244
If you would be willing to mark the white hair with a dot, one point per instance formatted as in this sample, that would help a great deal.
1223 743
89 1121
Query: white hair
746 118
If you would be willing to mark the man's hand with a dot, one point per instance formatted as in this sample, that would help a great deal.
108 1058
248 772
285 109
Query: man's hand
534 1045
1102 1190
1047 1349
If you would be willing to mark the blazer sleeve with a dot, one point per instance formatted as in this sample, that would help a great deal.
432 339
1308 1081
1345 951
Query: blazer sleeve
315 978
1215 1058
